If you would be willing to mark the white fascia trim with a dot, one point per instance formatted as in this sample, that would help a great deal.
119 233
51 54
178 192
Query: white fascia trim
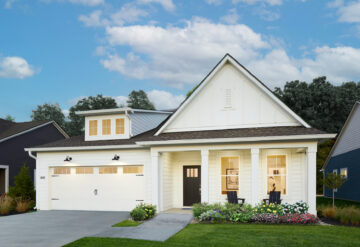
61 130
108 147
238 139
254 80
29 130
116 110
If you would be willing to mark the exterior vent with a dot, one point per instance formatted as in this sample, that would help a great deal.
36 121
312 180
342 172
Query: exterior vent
227 98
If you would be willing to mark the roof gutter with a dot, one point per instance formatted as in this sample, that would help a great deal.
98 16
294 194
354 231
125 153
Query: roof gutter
83 148
31 155
238 139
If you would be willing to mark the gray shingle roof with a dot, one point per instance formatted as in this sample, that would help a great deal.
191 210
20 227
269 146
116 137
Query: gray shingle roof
79 141
8 128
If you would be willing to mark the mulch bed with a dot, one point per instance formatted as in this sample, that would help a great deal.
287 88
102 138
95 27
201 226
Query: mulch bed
335 222
15 213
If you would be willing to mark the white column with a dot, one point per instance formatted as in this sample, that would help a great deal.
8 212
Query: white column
254 176
204 175
311 178
155 179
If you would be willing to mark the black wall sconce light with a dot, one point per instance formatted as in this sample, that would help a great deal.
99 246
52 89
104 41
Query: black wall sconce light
116 157
68 159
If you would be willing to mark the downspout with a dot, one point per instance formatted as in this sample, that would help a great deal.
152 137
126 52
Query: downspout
130 124
31 155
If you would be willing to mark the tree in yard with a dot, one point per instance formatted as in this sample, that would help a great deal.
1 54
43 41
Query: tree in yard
322 154
333 181
24 186
49 112
9 118
76 124
139 100
188 94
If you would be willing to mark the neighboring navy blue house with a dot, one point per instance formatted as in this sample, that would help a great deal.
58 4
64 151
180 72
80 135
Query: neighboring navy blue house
14 138
344 158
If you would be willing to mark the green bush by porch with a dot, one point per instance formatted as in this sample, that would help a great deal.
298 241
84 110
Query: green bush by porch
127 223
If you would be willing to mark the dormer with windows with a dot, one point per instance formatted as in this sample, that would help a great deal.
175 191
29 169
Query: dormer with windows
119 123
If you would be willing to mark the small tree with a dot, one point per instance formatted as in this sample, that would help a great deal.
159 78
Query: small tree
333 181
24 186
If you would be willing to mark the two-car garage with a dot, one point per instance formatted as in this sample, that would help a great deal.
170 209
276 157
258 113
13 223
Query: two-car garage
109 188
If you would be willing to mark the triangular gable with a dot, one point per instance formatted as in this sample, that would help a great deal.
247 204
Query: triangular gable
264 96
349 137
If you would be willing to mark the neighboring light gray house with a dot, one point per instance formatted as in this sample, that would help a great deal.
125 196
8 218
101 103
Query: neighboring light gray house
344 158
231 134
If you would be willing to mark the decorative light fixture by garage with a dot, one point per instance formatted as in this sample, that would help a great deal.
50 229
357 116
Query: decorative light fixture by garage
68 159
116 157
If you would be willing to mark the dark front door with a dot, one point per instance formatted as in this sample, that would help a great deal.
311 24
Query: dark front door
192 179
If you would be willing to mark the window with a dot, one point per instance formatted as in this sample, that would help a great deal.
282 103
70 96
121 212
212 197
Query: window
93 126
108 170
61 170
132 169
84 170
344 172
192 172
120 126
229 174
276 173
106 127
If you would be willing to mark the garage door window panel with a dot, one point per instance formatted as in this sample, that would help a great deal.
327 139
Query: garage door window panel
108 170
62 170
133 169
84 170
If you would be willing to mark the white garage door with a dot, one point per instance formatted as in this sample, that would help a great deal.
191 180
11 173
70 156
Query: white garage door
97 188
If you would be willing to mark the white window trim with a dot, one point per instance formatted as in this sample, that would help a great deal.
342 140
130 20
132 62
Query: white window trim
287 172
6 177
347 171
227 156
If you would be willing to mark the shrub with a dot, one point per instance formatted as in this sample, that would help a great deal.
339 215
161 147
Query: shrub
212 216
24 186
6 204
348 215
296 208
243 217
23 205
200 208
329 212
150 210
265 218
138 214
298 219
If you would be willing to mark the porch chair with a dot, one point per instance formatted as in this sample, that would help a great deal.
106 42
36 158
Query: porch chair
274 197
233 199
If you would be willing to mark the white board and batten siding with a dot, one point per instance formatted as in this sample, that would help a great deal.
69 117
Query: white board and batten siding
115 192
230 100
350 136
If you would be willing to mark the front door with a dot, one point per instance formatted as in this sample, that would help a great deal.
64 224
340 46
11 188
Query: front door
192 181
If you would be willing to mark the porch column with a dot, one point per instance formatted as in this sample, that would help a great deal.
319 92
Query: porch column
204 175
254 176
155 179
311 178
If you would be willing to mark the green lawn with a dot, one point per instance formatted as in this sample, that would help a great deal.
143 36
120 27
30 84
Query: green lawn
321 201
127 223
242 235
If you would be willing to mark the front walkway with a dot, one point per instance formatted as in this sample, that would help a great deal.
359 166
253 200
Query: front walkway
54 228
162 227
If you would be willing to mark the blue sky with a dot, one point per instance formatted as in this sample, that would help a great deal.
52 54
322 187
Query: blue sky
57 51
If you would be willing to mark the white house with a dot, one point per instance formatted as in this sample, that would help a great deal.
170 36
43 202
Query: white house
232 133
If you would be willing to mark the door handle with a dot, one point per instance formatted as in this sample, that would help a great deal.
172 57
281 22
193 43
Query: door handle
95 191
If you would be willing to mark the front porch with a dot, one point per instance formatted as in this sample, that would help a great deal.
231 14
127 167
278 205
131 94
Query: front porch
182 176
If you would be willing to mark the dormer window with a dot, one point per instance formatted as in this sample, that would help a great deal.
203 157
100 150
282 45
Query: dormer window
93 127
120 126
106 127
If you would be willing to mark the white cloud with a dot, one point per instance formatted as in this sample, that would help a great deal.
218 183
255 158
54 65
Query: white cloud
94 19
88 2
164 100
180 55
232 17
8 3
267 15
350 12
270 2
166 4
121 100
127 14
15 67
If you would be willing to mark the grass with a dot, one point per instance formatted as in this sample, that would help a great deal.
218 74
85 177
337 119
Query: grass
322 201
127 223
241 235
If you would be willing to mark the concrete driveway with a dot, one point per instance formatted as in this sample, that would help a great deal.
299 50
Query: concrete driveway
54 228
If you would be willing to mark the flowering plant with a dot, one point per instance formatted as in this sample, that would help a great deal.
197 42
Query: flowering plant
265 218
296 208
271 208
150 210
298 219
212 216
